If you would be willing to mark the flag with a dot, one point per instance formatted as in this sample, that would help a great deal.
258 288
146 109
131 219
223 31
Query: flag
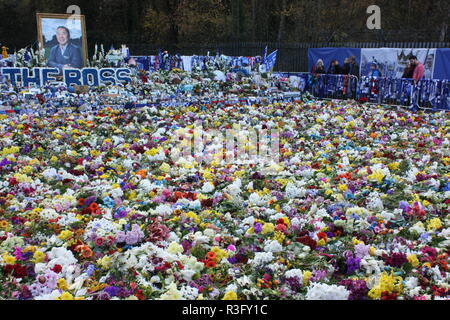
265 54
27 56
158 60
271 60
125 52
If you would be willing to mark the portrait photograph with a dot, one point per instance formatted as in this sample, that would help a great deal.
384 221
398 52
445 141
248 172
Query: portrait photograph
63 37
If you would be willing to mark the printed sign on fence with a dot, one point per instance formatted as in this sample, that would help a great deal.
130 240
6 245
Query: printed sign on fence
392 62
72 77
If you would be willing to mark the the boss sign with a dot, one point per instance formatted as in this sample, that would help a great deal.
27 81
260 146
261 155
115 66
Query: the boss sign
83 77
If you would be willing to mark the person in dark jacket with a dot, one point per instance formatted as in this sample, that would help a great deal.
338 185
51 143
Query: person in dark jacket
335 68
353 67
65 54
319 68
409 71
346 67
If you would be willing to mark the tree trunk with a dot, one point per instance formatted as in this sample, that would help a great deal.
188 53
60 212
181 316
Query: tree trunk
444 27
235 12
254 26
282 21
409 14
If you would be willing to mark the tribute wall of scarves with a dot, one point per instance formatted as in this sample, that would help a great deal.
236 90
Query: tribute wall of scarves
428 93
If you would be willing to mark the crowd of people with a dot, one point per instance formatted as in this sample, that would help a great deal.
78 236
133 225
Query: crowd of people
414 70
350 67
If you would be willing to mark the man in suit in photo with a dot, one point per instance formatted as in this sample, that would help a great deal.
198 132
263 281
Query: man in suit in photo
65 54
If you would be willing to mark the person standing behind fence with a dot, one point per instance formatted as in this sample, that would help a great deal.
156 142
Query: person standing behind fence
352 67
346 67
319 67
409 71
335 68
374 72
419 69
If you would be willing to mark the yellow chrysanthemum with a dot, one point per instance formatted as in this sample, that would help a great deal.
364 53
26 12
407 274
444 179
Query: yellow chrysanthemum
230 295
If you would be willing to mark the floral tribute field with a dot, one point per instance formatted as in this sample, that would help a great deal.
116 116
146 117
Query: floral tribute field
93 207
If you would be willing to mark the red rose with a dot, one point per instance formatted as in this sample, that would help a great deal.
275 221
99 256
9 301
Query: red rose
322 235
13 181
139 295
86 211
281 227
180 266
207 203
20 271
57 268
8 269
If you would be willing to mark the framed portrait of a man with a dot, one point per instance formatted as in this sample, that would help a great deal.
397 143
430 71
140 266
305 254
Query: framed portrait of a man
63 37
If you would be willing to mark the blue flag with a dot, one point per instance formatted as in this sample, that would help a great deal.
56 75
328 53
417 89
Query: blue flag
27 56
126 53
271 61
158 61
265 54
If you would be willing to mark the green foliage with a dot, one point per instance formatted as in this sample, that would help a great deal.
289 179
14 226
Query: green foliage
404 166
199 252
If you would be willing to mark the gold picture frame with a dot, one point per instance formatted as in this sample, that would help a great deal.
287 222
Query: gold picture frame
51 21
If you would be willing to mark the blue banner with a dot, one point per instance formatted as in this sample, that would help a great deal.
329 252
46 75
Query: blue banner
390 61
330 54
442 64
143 62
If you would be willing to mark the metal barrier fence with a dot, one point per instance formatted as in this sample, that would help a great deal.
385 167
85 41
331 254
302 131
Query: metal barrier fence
427 94
291 56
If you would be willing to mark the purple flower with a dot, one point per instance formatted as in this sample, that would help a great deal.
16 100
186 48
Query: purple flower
258 228
353 264
51 279
361 250
120 213
120 237
18 254
131 238
112 291
294 283
358 289
90 270
232 260
186 245
4 162
405 206
318 275
89 200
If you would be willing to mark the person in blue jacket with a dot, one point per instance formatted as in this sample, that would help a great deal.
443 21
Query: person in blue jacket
65 54
374 72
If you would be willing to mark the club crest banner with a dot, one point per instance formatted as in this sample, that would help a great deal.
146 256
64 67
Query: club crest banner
391 62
